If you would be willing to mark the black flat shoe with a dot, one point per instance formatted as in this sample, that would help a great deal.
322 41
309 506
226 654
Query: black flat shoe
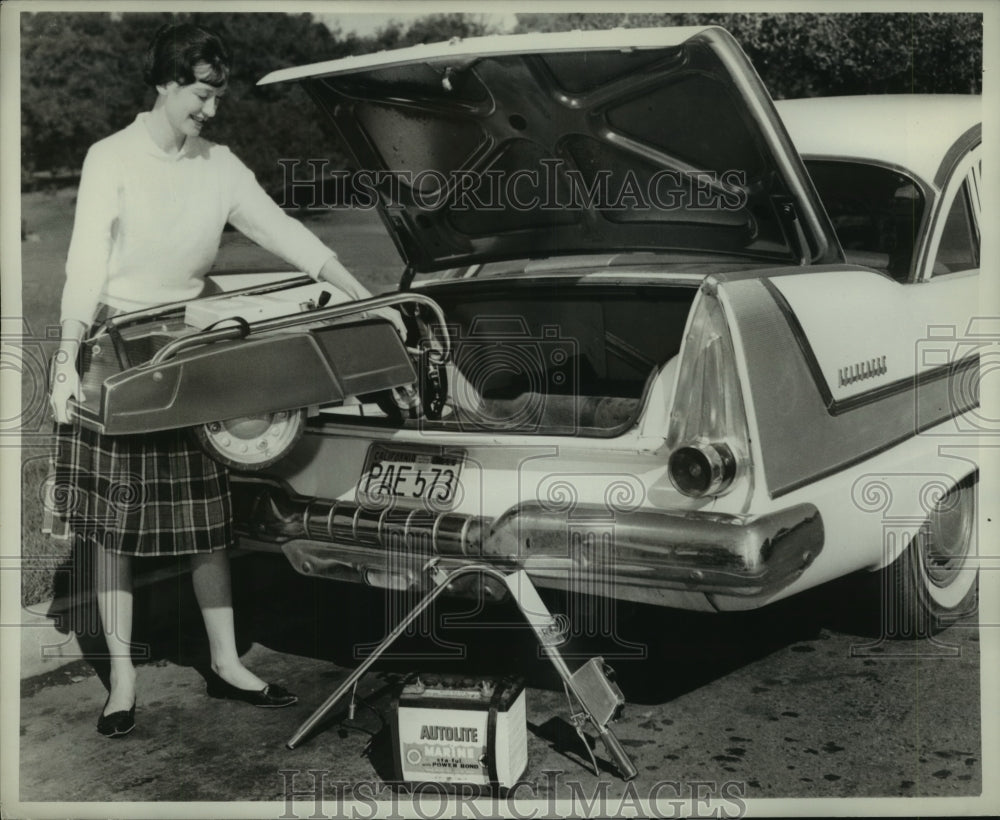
117 724
271 696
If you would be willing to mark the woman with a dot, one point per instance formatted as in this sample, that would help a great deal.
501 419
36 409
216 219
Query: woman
151 207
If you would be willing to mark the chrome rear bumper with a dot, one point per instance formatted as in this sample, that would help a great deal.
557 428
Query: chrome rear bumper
630 556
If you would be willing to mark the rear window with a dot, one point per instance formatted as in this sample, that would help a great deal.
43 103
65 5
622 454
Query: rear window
875 211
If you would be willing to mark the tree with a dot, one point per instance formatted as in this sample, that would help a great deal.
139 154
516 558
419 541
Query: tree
69 95
82 71
82 80
805 54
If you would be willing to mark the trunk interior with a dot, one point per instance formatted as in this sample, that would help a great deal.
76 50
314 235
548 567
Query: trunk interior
543 358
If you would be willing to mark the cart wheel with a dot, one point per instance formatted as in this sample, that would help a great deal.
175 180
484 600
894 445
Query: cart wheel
934 581
398 403
252 442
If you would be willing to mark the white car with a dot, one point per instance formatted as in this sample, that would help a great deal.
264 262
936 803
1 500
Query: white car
670 342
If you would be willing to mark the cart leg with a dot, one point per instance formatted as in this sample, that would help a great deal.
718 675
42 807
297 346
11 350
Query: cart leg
545 627
314 719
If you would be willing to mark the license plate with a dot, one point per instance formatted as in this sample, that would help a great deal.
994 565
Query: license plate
409 474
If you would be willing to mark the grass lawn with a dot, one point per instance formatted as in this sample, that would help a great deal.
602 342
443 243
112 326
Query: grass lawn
358 237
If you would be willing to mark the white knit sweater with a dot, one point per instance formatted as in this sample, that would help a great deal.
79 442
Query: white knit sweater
148 224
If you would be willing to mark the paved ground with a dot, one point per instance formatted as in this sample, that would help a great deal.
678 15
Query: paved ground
774 701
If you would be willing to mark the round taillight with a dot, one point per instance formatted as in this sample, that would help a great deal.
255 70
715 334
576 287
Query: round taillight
702 469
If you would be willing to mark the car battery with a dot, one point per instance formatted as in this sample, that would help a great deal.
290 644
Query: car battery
454 729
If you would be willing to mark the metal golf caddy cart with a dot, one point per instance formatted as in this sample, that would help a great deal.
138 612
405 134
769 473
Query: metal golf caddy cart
667 340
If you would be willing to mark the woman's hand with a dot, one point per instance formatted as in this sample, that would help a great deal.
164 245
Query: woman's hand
65 386
340 277
65 380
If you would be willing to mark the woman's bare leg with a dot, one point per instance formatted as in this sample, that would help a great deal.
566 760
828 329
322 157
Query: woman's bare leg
114 601
210 576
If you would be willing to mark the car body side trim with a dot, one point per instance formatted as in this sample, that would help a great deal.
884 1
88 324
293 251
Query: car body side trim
801 440
901 385
802 342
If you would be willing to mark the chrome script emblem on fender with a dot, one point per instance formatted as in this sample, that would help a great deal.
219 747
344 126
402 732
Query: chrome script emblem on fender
868 369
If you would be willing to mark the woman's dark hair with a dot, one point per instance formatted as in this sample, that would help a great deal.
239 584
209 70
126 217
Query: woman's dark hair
177 48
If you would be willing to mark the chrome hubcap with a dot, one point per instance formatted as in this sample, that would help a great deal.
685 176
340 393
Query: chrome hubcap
254 441
945 540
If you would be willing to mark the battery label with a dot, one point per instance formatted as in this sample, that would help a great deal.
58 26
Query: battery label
432 758
443 743
463 734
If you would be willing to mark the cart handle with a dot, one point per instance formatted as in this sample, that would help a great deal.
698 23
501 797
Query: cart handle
131 317
309 317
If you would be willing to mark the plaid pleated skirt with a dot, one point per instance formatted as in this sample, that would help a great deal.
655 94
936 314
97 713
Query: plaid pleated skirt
154 494
142 495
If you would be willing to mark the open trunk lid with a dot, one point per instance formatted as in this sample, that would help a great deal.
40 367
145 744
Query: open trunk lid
550 144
